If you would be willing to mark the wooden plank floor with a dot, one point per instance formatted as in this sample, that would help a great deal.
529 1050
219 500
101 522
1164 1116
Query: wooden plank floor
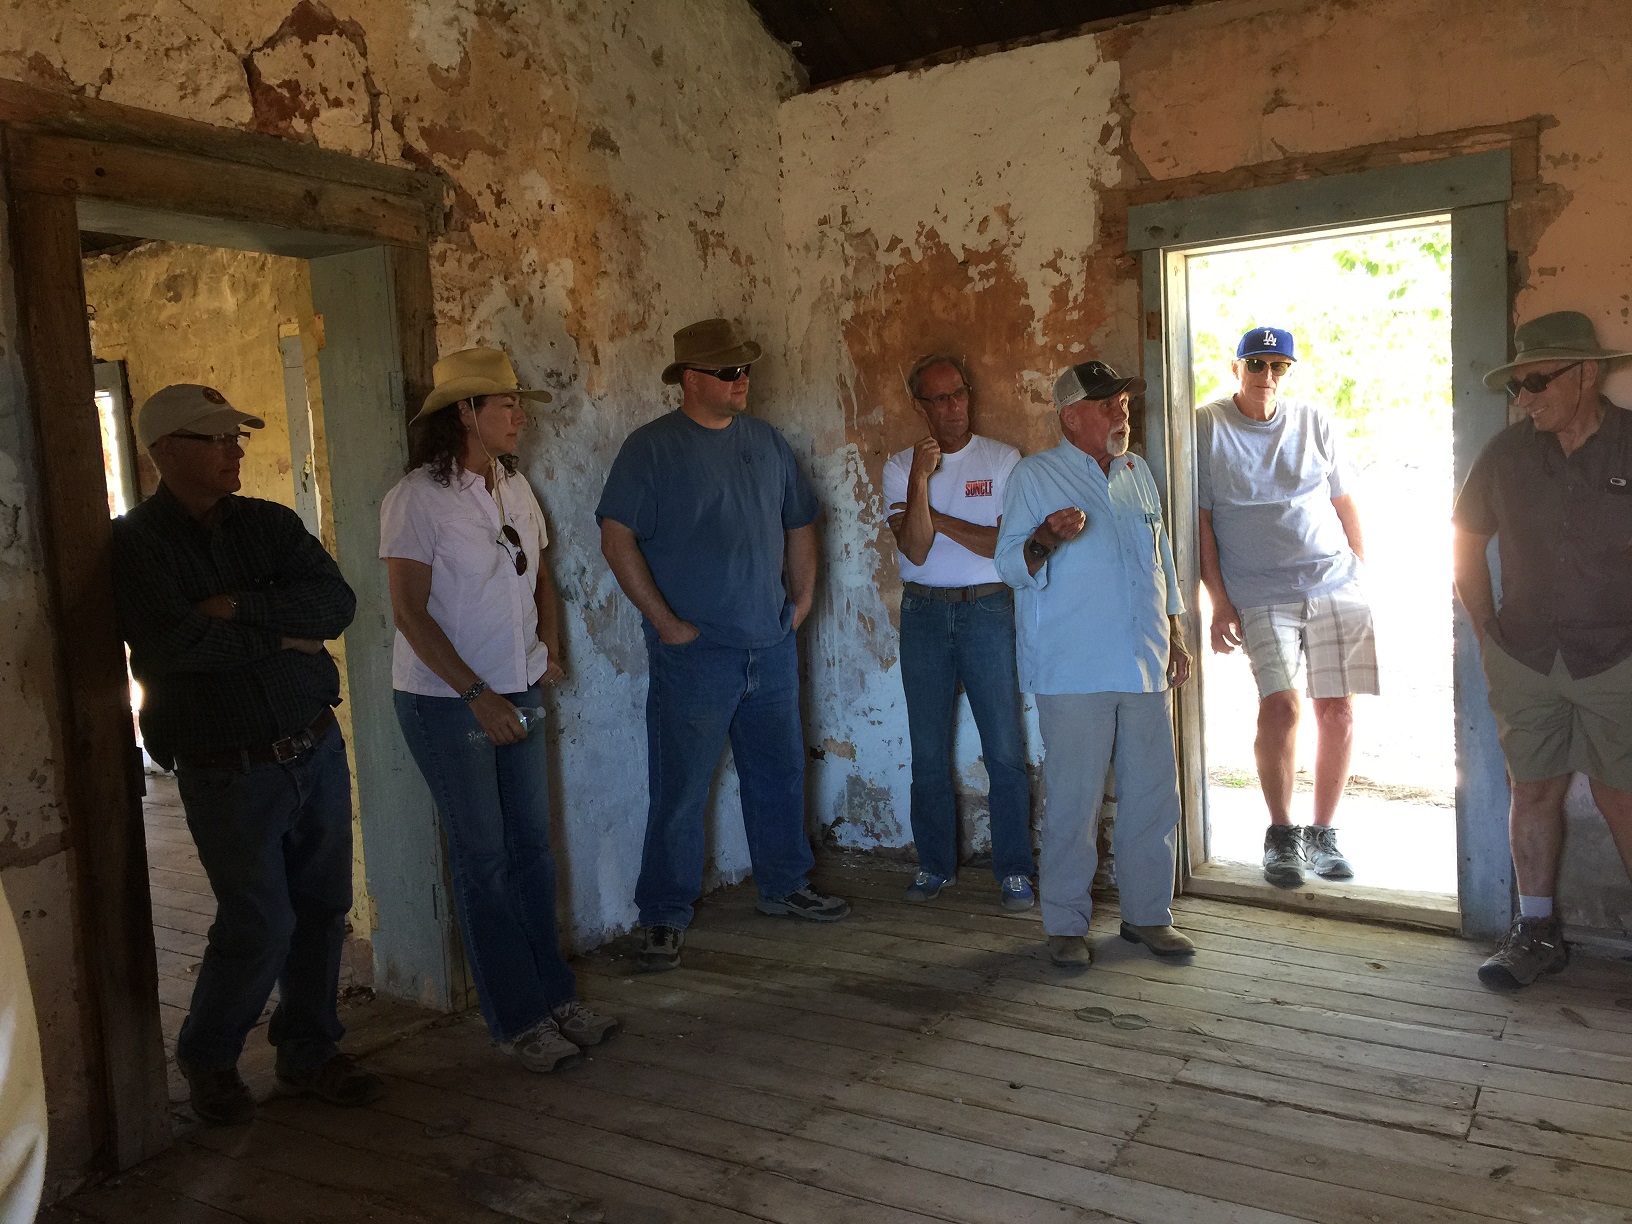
927 1063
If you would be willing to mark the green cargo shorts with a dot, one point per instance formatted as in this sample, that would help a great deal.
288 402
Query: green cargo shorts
1554 724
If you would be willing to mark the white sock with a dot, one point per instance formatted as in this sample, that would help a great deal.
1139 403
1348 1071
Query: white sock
1535 907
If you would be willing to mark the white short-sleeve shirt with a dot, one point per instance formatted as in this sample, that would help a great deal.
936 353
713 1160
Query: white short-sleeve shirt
485 607
968 485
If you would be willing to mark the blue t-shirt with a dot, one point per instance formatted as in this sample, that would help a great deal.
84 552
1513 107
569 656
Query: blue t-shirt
1269 486
709 508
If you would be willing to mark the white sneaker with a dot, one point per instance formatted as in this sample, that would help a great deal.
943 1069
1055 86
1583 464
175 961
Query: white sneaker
544 1049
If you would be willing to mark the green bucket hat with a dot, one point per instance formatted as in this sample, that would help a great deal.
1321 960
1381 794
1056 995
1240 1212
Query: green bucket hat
1564 335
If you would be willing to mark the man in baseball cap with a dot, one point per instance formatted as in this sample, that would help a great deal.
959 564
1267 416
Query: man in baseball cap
1096 606
1281 552
1555 489
226 602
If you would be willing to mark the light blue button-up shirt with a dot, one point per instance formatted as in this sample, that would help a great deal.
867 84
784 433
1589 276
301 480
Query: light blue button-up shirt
1093 618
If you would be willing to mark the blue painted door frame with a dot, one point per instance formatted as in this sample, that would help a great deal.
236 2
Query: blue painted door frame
1473 191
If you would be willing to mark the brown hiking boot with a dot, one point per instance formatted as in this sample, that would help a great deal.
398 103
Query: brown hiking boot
220 1098
1533 947
339 1081
1070 951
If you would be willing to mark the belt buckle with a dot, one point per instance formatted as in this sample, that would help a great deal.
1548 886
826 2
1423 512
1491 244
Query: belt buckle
287 749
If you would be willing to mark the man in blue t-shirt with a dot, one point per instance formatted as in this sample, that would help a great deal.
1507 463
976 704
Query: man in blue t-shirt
1281 552
709 527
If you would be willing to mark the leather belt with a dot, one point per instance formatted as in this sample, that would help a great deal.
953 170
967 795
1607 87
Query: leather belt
276 753
965 594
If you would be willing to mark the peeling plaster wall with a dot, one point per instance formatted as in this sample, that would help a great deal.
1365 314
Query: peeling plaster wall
612 169
36 865
981 205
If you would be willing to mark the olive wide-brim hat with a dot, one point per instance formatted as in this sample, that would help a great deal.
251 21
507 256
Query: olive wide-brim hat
713 344
472 372
1564 335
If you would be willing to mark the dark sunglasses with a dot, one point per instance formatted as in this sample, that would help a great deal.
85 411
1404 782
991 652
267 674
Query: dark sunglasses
510 538
1277 368
728 374
1536 383
224 440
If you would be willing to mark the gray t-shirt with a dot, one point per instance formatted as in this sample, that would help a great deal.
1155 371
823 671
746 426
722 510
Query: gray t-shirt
1269 486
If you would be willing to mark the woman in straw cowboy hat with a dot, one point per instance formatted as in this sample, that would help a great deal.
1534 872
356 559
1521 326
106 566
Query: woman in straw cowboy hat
463 536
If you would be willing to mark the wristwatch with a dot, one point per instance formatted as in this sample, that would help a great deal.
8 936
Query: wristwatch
473 692
1037 550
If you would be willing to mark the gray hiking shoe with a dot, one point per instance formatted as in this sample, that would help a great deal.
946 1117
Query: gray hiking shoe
660 948
806 903
1320 848
1533 947
1283 856
583 1027
545 1049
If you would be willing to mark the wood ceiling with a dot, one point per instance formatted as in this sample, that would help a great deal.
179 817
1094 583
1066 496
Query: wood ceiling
834 39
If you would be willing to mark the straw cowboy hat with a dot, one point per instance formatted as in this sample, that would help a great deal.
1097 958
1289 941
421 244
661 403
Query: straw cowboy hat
1564 335
712 344
471 372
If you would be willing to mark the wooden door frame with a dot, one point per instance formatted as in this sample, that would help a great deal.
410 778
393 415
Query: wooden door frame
1473 189
63 154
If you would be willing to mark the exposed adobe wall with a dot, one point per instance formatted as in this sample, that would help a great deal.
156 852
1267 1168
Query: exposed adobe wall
982 205
612 169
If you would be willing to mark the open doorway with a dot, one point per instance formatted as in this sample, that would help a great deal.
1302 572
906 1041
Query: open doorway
243 323
1371 314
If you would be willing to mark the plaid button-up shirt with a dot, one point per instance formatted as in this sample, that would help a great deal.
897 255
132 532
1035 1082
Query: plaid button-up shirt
213 685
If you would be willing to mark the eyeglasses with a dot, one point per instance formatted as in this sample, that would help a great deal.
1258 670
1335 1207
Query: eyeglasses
946 399
1536 383
510 538
1257 365
225 441
726 374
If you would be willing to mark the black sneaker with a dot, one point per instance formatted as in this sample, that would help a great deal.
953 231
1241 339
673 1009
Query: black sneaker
806 902
660 949
1532 947
339 1081
1320 848
1283 856
220 1098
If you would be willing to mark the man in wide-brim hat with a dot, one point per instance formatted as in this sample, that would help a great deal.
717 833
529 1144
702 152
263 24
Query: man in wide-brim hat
708 524
1555 489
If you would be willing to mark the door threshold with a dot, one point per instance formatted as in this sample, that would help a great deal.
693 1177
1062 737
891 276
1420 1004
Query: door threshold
1245 882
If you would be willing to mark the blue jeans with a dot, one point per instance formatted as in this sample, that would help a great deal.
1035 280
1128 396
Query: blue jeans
942 644
698 695
495 807
275 841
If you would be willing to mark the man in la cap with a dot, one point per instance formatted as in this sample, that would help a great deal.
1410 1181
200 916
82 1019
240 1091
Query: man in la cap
1281 553
709 527
957 628
1097 603
1555 489
226 602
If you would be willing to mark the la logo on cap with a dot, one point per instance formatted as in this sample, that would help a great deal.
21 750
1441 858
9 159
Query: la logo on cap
1269 339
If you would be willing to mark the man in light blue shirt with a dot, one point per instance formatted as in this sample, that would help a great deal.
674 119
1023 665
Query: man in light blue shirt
1097 597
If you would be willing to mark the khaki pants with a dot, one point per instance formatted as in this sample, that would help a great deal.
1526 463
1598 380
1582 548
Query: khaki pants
1554 724
1083 733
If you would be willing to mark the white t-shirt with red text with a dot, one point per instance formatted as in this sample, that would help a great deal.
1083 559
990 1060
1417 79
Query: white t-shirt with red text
969 486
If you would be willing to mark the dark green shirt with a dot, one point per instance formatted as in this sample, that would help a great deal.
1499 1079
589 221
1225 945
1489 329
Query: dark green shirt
212 685
1563 528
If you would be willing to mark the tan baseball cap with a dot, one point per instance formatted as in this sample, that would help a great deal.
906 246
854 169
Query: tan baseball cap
191 408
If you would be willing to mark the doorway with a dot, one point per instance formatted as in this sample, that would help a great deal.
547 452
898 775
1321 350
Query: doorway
1466 195
1371 314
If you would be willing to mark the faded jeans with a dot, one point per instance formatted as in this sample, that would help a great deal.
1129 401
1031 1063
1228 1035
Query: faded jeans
275 841
942 644
495 806
700 695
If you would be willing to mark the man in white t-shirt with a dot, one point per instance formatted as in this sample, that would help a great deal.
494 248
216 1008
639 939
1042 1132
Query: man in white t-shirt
1281 552
957 627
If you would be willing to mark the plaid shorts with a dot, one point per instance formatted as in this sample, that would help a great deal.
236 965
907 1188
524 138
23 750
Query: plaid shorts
1331 632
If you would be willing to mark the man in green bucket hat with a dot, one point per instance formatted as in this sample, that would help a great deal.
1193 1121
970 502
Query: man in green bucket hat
1555 489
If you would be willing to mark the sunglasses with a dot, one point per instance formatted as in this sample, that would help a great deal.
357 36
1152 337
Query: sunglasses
1536 383
510 538
728 374
1277 368
225 441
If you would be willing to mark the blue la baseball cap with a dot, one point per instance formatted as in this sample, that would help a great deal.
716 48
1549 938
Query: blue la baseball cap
1261 340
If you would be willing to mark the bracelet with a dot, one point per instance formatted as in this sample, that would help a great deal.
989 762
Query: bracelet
473 692
232 602
1037 550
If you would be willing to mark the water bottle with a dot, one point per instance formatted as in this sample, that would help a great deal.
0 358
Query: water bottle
531 716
